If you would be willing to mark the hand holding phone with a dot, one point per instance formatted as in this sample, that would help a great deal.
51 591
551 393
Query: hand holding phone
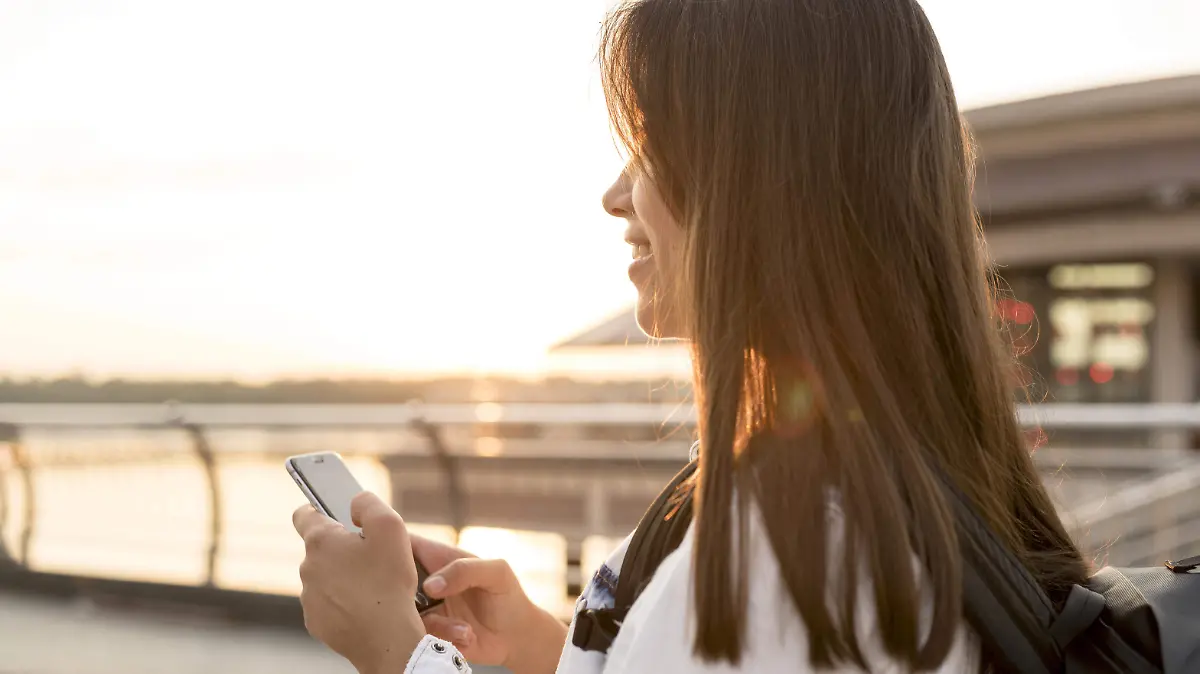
330 487
358 588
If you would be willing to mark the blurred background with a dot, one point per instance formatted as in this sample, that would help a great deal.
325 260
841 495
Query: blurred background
235 231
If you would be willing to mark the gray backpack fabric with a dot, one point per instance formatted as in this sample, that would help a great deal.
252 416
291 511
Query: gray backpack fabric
1122 621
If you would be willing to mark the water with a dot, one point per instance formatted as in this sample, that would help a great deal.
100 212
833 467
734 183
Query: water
134 504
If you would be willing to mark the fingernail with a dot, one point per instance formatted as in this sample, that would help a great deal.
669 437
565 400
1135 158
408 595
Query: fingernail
435 584
461 632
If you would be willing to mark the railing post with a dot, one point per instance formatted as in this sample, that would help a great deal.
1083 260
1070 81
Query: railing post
203 451
25 465
450 469
6 558
10 434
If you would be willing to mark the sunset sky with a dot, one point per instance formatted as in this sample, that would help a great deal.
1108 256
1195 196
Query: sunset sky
258 188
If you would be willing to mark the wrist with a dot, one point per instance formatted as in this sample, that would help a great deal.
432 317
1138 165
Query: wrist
393 660
392 657
541 647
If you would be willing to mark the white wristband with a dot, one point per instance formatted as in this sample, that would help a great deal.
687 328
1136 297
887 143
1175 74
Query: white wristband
434 656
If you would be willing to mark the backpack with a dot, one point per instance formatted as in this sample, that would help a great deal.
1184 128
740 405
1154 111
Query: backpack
1121 621
659 532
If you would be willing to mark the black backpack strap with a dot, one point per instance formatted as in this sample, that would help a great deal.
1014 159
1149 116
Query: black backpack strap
659 532
1003 603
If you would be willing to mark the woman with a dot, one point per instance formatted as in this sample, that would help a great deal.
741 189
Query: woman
799 202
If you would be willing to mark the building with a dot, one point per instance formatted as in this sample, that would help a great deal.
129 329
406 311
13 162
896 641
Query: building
1091 207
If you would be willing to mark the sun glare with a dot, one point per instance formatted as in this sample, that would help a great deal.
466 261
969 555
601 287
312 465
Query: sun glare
352 210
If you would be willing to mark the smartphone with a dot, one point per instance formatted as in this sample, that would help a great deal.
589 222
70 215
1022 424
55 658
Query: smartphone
330 487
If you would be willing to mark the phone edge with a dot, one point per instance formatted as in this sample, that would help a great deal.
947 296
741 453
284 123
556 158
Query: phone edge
298 478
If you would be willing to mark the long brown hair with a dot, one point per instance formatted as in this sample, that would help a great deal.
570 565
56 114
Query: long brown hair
837 289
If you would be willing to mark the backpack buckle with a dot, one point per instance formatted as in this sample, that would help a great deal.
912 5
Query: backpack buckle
1183 565
595 629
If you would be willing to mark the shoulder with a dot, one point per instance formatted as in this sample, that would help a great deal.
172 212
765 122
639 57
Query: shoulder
659 630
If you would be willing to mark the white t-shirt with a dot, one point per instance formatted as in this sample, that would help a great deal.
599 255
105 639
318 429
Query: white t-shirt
656 637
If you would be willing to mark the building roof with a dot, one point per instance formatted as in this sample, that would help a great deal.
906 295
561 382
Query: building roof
1105 119
1072 106
1162 110
618 330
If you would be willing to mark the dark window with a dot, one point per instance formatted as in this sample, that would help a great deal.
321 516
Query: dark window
1084 330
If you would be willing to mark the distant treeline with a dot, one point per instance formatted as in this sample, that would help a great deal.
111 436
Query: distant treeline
327 391
124 391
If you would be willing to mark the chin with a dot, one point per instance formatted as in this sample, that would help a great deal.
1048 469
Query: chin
655 325
646 320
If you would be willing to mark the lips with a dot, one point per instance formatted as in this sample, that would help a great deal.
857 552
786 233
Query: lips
640 244
643 260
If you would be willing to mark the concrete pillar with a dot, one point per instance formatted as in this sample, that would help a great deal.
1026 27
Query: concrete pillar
1174 371
596 509
575 579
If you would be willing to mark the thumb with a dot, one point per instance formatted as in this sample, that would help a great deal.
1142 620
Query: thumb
490 575
455 631
434 555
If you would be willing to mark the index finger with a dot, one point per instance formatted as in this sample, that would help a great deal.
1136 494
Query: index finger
307 519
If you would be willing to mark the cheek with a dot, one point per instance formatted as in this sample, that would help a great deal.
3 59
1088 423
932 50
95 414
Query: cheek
666 236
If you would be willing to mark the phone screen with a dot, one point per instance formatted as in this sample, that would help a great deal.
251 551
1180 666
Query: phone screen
330 487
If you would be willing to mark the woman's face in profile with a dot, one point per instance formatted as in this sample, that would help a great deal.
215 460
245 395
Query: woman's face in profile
657 242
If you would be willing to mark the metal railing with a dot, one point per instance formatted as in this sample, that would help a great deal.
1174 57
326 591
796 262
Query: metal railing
1155 416
20 459
1141 522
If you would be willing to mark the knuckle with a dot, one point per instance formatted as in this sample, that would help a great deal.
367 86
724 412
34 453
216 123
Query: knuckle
317 539
301 515
306 575
386 522
502 568
458 567
392 522
312 543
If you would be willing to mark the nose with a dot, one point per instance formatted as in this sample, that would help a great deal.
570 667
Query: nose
618 199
